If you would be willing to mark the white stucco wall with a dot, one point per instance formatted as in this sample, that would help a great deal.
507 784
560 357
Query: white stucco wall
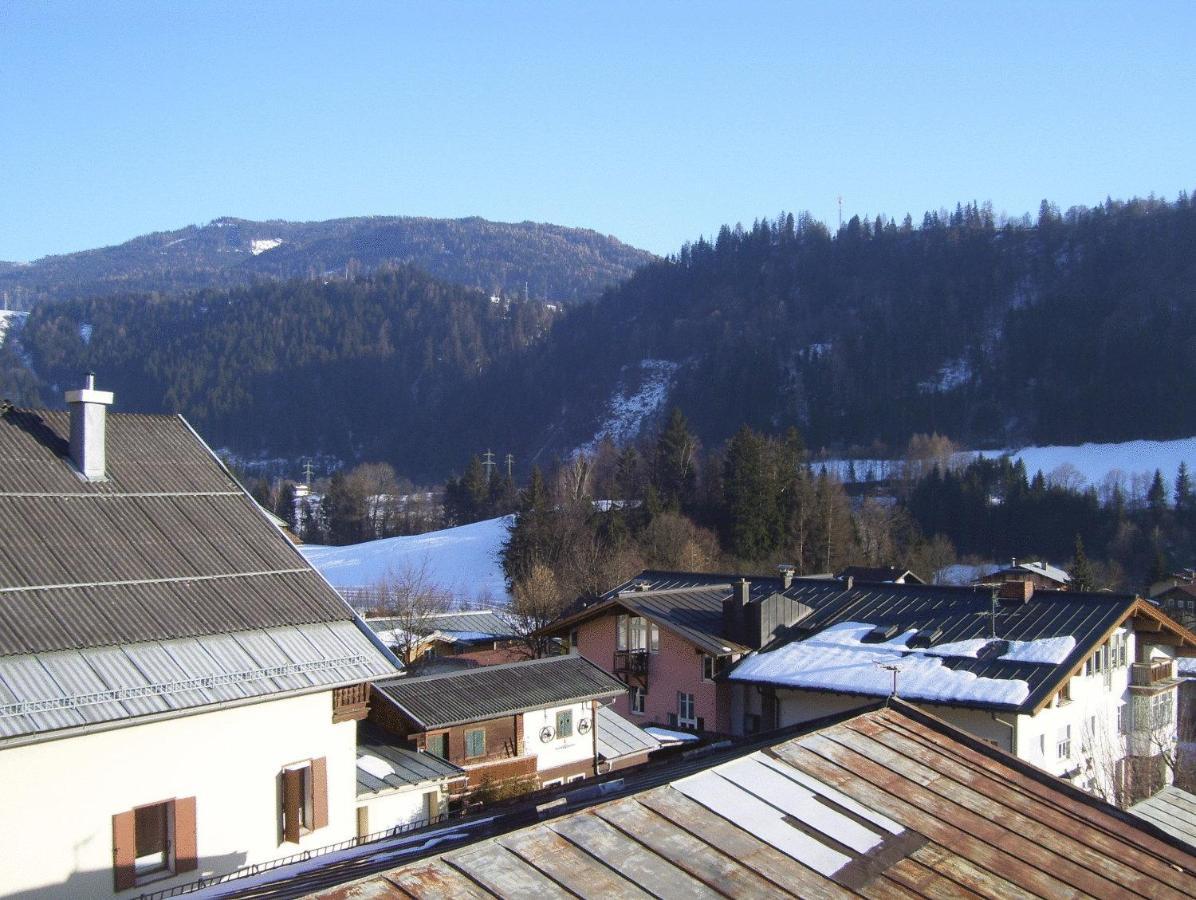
405 807
58 797
558 751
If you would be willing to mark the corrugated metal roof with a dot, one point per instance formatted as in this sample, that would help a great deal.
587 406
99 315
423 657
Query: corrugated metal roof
484 623
168 547
50 691
617 737
1173 810
453 698
407 767
890 803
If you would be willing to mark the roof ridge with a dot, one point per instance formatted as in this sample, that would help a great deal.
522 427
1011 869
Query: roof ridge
522 664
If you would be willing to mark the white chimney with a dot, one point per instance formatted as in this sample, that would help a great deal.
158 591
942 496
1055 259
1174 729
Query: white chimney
88 415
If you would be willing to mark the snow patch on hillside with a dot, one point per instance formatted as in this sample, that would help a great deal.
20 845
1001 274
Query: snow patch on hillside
85 331
10 320
1093 462
634 401
953 374
259 246
463 560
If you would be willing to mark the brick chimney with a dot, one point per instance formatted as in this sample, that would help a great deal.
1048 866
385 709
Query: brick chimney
1016 591
88 420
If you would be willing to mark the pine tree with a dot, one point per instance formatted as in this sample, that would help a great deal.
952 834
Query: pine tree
751 521
1082 578
675 471
1156 495
1183 490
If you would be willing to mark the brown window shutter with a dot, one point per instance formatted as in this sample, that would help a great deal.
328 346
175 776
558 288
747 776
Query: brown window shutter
124 850
319 793
186 858
292 800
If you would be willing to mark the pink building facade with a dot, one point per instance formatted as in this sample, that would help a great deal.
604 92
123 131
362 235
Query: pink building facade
670 680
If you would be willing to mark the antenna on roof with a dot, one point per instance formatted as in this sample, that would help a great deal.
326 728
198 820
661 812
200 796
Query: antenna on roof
892 667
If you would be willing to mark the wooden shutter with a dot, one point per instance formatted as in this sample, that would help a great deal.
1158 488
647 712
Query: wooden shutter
124 850
292 804
319 793
186 858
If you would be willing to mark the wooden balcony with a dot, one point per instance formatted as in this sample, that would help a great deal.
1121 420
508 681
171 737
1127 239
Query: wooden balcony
1146 674
351 703
631 664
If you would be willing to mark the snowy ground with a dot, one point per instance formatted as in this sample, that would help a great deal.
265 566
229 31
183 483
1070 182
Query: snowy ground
1093 462
463 560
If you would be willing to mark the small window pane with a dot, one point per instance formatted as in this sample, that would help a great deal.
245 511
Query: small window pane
564 724
438 745
654 637
475 742
621 633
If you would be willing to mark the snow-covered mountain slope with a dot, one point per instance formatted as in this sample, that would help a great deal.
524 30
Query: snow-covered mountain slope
639 397
463 560
10 319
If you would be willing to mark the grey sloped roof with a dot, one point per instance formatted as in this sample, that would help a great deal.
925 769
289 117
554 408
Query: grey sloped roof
618 737
169 546
1171 809
483 623
407 767
46 692
454 698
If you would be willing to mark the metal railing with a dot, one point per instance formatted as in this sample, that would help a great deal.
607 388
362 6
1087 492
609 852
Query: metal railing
270 865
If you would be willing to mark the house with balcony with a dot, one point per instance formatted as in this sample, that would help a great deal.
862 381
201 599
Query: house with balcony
521 726
669 637
1081 684
179 689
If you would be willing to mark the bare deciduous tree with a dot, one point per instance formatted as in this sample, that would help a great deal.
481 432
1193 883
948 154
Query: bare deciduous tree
537 601
409 597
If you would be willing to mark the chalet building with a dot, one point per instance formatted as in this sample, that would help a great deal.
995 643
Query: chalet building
668 636
886 801
1179 602
179 689
470 636
527 725
1082 685
1040 574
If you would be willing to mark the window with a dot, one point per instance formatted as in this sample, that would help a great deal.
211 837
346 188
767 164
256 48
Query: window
1063 743
1161 710
1123 725
153 842
638 695
573 639
653 637
621 633
710 667
1064 695
152 839
686 717
475 742
437 744
751 723
304 799
639 633
564 724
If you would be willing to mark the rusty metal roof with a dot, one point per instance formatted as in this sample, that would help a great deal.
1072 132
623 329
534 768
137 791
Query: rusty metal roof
888 803
168 547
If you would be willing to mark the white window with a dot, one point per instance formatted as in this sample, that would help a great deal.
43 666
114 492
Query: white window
1161 710
709 667
1063 743
638 694
639 633
653 637
686 717
621 633
1123 718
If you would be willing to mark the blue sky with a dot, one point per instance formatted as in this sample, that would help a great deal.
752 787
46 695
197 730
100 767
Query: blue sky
653 122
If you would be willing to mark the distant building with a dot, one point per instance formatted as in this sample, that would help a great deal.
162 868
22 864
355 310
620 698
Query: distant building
1040 574
179 689
880 574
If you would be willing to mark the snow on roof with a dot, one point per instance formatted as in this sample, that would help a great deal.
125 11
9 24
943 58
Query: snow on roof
1046 570
379 768
668 736
1043 650
837 659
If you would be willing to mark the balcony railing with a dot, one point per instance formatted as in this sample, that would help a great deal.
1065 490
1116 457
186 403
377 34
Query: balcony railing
631 662
1148 673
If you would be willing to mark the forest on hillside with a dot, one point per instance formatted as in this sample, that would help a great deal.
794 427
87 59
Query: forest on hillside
1069 327
545 262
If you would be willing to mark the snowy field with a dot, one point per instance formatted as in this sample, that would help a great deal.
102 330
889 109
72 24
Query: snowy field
462 560
1093 462
8 319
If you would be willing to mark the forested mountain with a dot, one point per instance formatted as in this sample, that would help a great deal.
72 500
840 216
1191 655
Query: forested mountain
1074 327
551 262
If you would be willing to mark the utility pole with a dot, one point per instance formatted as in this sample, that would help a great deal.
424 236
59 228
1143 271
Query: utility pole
510 464
488 464
307 472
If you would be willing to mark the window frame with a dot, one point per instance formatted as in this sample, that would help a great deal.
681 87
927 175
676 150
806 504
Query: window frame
437 737
1063 743
686 700
142 872
475 731
637 694
564 724
621 631
653 637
